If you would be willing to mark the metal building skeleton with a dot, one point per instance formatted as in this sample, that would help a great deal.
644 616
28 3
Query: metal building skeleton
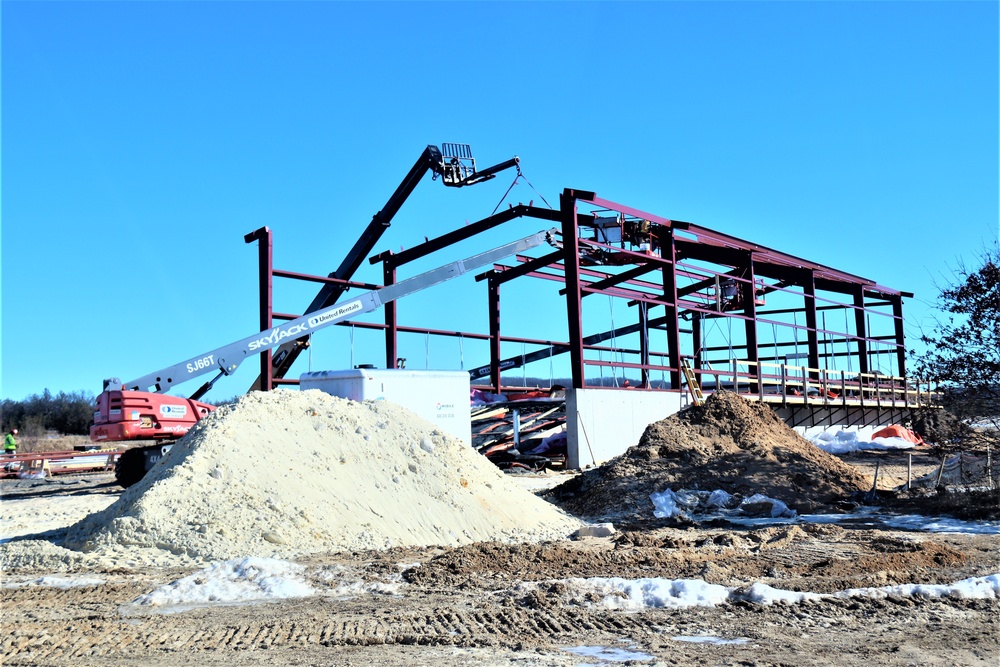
799 333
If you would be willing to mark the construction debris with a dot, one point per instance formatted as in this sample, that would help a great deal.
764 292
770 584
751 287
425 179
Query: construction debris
525 431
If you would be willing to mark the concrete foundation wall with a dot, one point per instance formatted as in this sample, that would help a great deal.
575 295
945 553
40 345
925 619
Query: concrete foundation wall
603 423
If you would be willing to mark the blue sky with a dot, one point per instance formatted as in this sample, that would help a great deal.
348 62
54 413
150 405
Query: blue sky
141 141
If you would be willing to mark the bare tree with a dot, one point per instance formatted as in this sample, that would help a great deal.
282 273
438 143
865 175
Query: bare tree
963 353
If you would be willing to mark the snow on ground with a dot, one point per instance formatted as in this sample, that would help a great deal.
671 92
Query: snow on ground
609 654
941 524
638 594
759 510
248 579
55 582
709 639
845 442
254 579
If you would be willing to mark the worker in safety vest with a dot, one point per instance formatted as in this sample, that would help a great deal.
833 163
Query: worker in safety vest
10 443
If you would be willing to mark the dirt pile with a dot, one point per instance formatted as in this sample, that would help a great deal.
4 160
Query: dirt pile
288 473
729 443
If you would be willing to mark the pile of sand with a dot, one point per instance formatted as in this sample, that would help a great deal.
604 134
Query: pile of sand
288 473
729 443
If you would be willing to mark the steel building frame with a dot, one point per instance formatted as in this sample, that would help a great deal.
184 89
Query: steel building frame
700 278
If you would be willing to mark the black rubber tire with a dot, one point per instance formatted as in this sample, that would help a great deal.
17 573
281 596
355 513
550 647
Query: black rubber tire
130 467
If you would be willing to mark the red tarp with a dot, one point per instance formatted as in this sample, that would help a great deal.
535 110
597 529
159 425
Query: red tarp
897 431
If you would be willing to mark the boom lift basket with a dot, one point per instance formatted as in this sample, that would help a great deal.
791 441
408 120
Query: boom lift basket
457 163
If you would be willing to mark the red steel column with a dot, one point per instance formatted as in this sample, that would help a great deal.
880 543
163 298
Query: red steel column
265 239
668 250
809 294
750 310
391 325
493 289
897 318
571 260
860 328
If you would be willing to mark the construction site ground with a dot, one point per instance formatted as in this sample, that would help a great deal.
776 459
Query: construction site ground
463 606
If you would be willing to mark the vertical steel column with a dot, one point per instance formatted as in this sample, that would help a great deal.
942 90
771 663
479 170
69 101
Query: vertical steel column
809 294
265 258
897 319
862 330
493 290
391 326
644 343
571 260
750 310
668 250
696 324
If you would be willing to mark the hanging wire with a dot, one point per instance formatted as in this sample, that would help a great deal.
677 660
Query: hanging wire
310 353
774 338
552 373
520 175
847 329
352 345
427 352
614 343
461 352
868 332
513 183
729 338
795 322
732 358
533 187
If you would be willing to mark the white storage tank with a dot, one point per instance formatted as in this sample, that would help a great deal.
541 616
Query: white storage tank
440 397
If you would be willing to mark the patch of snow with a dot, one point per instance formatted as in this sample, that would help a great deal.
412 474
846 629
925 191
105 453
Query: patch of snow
638 594
974 588
56 582
939 524
845 442
609 654
250 579
709 639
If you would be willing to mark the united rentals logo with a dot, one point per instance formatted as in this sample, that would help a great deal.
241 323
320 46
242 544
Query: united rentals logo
334 314
176 411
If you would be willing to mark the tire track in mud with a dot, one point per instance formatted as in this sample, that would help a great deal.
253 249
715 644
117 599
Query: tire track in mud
34 641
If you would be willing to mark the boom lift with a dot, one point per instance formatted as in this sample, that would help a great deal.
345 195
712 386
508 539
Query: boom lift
455 165
137 410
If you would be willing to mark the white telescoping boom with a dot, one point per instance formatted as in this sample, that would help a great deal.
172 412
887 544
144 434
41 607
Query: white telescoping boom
227 358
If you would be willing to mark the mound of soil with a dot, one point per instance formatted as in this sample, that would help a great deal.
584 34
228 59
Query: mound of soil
728 443
286 473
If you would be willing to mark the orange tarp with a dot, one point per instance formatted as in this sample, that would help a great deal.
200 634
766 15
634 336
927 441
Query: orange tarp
897 431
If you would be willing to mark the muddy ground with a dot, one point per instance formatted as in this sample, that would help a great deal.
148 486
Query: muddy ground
464 607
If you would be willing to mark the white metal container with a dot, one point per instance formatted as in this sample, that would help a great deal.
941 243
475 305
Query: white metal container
440 397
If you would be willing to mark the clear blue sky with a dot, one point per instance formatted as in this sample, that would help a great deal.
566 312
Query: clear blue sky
141 141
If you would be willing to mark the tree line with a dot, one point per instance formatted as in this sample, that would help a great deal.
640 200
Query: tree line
68 414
